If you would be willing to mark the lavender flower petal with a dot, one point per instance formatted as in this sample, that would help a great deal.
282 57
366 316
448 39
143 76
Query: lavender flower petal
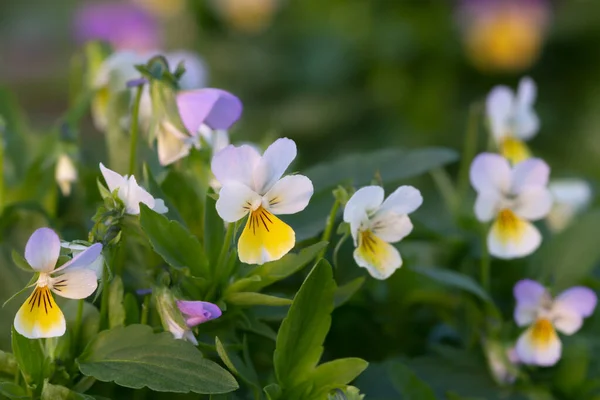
215 108
42 250
198 312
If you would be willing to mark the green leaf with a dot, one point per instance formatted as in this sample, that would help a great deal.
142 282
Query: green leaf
335 374
242 284
116 310
272 391
571 255
236 365
132 309
156 191
214 231
247 299
300 339
345 292
251 323
174 243
135 357
453 279
8 363
21 262
30 357
27 288
13 391
275 271
58 392
408 385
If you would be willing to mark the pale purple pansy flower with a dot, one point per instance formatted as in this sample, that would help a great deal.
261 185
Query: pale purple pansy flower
206 114
123 25
198 312
40 316
535 308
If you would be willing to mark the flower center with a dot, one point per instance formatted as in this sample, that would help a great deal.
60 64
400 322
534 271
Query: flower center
543 331
43 280
514 150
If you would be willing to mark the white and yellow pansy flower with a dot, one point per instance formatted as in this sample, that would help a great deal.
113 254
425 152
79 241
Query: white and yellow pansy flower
130 193
512 197
540 344
253 185
375 223
39 316
571 196
512 119
65 174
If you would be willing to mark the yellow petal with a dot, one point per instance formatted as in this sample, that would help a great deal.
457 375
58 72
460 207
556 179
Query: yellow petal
265 238
380 258
512 237
514 150
39 316
539 345
100 108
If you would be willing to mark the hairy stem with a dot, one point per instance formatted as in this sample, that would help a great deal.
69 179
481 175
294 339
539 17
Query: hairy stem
326 237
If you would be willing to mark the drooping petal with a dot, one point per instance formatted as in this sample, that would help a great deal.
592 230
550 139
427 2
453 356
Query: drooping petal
133 194
530 297
289 195
113 180
236 164
215 108
533 203
571 306
403 200
275 160
532 172
539 345
172 144
391 227
75 283
526 93
42 250
364 201
380 258
512 237
198 312
265 238
83 259
490 173
160 207
39 317
487 205
65 174
235 201
499 106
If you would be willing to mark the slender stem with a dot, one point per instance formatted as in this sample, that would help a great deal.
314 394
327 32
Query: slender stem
469 149
446 188
231 227
329 227
485 262
134 129
77 327
104 299
337 248
145 310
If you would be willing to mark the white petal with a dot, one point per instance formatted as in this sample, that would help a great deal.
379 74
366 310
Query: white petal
364 201
527 92
117 69
530 297
289 195
490 173
526 124
235 201
236 164
160 207
575 193
533 203
391 227
82 259
172 144
275 160
513 240
133 195
380 259
75 284
499 107
487 205
571 306
532 172
531 350
113 180
220 140
403 200
65 174
42 250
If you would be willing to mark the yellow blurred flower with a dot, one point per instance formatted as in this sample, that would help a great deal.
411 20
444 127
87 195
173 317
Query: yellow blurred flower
249 16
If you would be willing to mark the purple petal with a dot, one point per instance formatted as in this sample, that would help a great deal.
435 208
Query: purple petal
577 300
198 312
215 108
42 250
528 292
85 258
125 26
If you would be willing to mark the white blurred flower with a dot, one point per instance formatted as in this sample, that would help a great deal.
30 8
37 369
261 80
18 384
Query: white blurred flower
65 174
97 265
571 196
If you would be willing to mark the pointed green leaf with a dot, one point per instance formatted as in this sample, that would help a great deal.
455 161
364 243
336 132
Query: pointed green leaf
453 279
272 391
300 338
30 357
247 299
21 262
13 391
346 291
236 365
58 392
214 231
335 374
116 310
156 191
135 357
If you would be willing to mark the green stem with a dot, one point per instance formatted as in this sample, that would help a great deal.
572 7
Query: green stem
104 299
231 227
445 187
1 166
77 327
145 310
337 248
134 129
485 263
469 149
329 227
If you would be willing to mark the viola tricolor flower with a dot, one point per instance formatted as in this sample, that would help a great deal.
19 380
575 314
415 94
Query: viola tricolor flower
206 114
571 196
513 197
540 344
196 313
130 193
253 185
375 223
65 174
76 248
39 316
512 119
